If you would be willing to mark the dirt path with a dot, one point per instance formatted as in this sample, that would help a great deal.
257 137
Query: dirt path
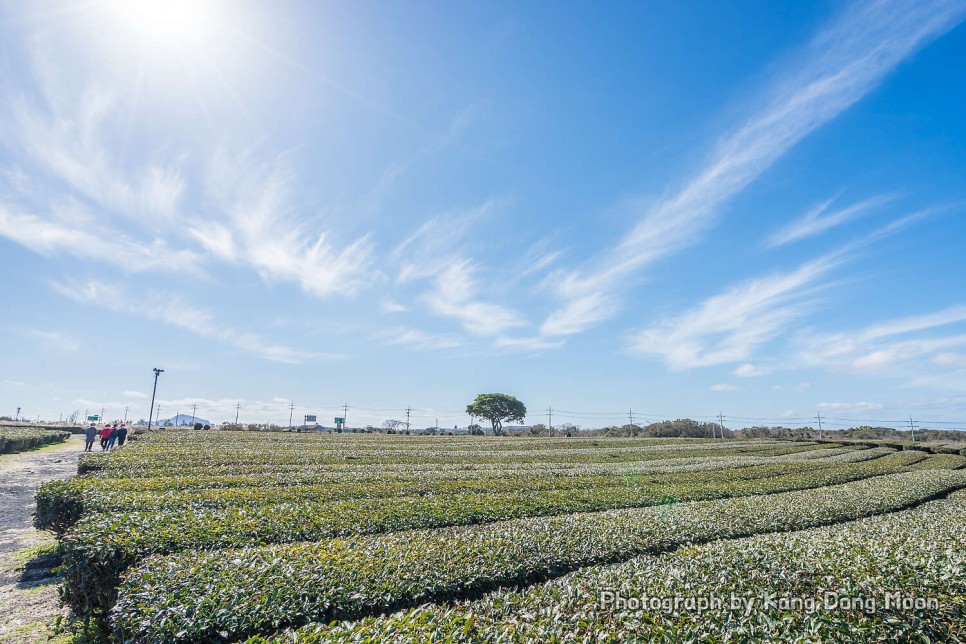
28 591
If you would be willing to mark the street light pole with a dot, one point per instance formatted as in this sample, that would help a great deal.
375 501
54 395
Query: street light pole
157 372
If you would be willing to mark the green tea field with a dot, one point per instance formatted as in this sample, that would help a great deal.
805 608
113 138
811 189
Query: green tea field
233 536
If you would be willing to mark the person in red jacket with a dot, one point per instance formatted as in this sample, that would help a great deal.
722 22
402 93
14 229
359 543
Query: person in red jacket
105 436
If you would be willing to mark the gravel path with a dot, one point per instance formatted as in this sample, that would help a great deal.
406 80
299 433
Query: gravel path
28 592
21 475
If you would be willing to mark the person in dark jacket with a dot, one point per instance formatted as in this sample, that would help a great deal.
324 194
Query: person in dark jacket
113 437
89 437
121 435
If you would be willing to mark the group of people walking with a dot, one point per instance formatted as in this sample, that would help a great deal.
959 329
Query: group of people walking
110 435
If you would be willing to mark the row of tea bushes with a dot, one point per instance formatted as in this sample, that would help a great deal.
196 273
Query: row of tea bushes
102 545
60 504
20 439
252 459
892 578
203 596
294 514
167 448
340 474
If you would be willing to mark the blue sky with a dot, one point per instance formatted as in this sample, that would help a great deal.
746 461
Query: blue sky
676 208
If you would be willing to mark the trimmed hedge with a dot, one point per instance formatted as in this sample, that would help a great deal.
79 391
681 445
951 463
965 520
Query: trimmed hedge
104 545
205 596
21 439
61 504
914 553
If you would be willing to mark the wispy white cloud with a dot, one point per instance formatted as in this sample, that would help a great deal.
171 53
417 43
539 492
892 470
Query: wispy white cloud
70 147
724 387
910 324
390 305
580 313
926 351
55 340
950 359
454 295
892 345
173 310
849 406
461 123
440 242
133 394
263 231
47 236
842 64
534 343
80 192
419 340
439 251
729 326
818 219
538 257
749 370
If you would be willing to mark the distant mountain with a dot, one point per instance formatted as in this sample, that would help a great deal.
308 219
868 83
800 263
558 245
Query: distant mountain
181 420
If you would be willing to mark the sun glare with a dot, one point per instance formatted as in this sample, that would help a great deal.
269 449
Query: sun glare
171 23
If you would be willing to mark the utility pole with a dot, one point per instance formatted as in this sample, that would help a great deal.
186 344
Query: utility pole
550 421
345 416
630 421
157 416
194 408
102 413
721 424
912 428
291 408
237 408
819 416
157 372
125 413
408 410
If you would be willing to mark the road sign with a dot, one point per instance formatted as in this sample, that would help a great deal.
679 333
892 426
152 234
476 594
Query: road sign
339 420
310 419
93 418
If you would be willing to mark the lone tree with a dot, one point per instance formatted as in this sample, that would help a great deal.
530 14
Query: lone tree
497 408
